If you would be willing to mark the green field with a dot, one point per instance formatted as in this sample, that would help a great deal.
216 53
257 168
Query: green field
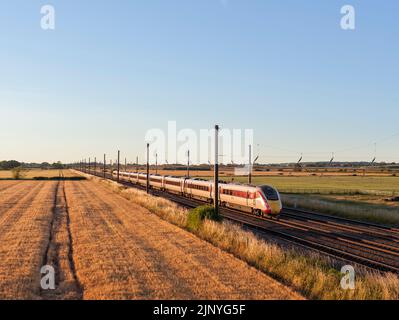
330 185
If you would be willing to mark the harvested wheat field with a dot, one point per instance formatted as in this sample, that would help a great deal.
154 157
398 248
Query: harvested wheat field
121 251
26 209
38 173
4 185
104 247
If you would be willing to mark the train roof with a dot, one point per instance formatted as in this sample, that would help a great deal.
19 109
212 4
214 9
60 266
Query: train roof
199 181
235 185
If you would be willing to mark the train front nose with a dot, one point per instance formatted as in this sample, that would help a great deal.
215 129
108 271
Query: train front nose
275 206
272 198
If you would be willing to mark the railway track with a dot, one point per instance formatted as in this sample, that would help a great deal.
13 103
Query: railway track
370 245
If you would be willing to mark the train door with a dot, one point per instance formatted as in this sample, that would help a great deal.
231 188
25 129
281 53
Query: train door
185 190
189 189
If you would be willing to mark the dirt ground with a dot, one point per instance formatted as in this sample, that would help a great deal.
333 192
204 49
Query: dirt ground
104 247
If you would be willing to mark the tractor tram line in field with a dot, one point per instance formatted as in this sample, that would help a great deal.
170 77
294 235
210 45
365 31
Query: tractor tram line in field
59 251
10 185
372 246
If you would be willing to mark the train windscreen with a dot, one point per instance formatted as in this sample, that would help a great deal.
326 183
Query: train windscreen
270 193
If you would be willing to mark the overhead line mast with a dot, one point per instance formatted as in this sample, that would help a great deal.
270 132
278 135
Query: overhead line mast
216 171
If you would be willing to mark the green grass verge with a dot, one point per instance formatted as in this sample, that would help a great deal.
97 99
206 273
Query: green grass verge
197 216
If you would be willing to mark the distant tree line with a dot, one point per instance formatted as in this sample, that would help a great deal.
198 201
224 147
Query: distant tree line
9 165
12 164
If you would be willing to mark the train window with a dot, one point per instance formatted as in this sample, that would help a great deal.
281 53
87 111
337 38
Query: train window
235 193
270 193
173 183
194 186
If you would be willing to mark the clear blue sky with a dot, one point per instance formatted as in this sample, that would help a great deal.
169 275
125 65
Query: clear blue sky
111 70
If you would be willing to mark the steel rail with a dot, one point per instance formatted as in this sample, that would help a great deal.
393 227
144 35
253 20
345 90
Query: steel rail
342 219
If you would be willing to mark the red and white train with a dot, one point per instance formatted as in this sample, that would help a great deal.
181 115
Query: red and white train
262 201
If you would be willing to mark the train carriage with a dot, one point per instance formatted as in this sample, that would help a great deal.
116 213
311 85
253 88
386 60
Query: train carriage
262 201
134 177
199 189
174 184
129 176
238 196
157 182
142 179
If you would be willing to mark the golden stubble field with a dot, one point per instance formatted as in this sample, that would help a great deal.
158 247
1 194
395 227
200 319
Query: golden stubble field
103 246
32 173
25 212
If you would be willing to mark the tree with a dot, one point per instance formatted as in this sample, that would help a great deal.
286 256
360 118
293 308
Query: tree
18 173
57 165
9 165
45 165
